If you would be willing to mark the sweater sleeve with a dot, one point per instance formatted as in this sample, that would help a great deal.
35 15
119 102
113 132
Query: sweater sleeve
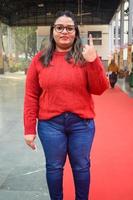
97 79
31 99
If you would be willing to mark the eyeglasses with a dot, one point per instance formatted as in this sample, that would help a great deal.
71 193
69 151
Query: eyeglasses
59 28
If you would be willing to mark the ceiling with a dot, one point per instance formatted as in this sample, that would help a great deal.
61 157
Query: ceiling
42 12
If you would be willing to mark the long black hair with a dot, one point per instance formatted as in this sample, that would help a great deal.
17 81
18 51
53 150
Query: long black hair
75 52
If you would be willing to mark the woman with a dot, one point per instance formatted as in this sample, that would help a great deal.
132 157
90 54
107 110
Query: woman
113 73
58 91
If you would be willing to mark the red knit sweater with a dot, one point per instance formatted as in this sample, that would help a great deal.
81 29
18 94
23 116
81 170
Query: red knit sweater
61 87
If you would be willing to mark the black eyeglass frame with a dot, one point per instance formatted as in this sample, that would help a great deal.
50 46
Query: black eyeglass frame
64 27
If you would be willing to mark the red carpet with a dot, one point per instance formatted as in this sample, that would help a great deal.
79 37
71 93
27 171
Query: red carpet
112 152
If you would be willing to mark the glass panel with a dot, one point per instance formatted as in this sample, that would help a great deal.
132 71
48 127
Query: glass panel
95 34
96 42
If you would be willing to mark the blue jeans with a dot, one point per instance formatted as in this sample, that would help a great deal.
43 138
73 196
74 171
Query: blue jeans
67 134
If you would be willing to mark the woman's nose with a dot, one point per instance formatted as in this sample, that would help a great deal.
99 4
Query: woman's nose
64 30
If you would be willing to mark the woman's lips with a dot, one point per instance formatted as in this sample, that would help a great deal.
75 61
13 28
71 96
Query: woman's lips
64 37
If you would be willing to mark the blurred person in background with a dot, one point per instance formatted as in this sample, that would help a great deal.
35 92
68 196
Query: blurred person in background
113 70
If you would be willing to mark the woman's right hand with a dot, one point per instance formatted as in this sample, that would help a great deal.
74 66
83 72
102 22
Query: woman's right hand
29 139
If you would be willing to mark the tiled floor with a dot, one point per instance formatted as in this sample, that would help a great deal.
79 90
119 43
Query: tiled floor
124 85
21 169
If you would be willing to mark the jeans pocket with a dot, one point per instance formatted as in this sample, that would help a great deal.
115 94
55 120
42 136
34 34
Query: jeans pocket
90 123
87 121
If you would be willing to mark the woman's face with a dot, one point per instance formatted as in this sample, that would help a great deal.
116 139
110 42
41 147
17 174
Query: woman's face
64 33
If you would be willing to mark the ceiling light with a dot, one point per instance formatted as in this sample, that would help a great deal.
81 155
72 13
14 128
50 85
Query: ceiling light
40 5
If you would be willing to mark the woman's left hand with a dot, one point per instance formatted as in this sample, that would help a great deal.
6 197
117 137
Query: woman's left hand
89 51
